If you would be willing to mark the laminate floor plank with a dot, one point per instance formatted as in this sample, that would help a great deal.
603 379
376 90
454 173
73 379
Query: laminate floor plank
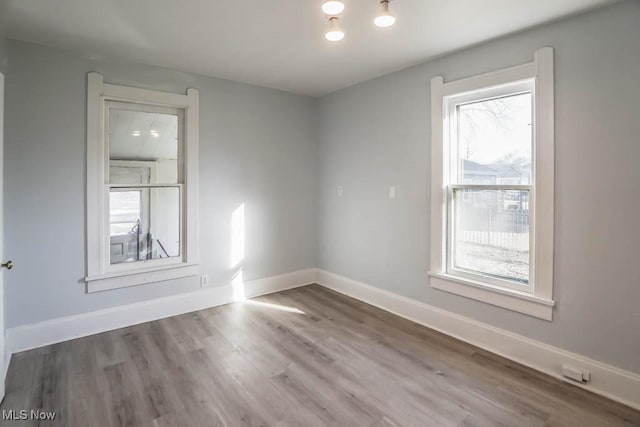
303 357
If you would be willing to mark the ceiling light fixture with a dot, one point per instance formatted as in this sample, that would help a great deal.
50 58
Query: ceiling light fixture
384 18
154 133
332 7
135 133
335 34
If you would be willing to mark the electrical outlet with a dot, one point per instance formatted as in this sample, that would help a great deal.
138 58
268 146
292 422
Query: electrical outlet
392 192
204 280
575 374
339 191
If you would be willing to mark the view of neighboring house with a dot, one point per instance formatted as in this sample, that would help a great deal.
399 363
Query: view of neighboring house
496 173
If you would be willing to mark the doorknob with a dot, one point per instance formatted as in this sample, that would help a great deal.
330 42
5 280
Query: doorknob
8 265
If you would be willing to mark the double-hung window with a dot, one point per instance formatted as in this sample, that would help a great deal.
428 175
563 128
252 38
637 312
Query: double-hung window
492 186
141 185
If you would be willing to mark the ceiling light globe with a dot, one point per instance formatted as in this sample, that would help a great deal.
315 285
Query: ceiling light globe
334 35
384 18
332 7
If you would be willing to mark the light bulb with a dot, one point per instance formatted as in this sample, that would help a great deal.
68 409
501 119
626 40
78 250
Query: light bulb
332 7
384 18
335 34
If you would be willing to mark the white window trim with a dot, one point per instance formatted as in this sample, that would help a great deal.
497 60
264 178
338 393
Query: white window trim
540 302
100 276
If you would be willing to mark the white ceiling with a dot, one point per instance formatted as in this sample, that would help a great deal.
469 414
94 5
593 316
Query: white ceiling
276 43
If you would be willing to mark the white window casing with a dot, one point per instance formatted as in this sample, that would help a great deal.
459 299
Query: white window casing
101 275
535 299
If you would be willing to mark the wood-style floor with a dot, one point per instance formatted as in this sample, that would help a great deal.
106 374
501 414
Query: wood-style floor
306 357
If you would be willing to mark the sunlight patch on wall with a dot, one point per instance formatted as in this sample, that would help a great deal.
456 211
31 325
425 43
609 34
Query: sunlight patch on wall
237 236
237 252
237 284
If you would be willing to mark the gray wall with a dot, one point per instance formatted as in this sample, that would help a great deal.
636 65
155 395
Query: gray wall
3 51
376 134
257 147
3 40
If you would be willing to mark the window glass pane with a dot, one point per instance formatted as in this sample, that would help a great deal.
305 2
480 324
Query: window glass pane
144 224
491 233
129 174
495 141
143 147
125 211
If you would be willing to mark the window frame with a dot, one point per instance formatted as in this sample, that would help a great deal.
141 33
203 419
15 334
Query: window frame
452 102
101 274
149 186
537 299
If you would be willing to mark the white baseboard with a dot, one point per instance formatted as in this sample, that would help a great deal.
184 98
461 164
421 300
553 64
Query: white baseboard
606 380
36 335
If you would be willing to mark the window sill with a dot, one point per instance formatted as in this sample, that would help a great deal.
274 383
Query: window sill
105 282
506 298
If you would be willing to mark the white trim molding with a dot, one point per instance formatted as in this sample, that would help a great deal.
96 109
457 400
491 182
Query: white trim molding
606 380
53 331
106 282
101 275
534 298
521 302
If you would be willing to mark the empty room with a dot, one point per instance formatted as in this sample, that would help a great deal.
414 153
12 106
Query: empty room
319 213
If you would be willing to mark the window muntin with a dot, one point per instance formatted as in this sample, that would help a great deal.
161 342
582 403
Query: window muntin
144 146
490 210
